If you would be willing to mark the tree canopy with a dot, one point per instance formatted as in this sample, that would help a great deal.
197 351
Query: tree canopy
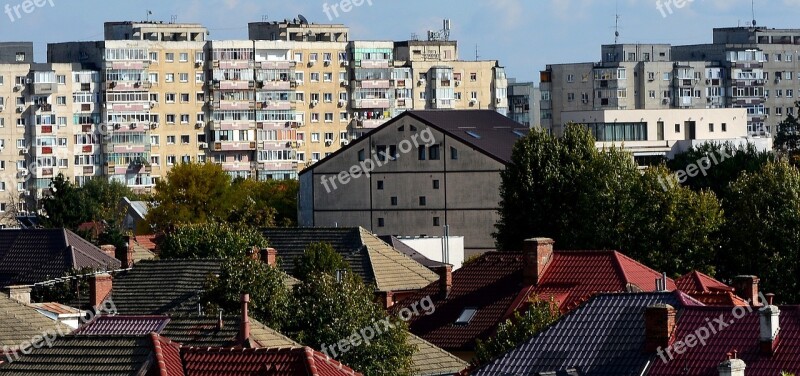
517 329
209 240
319 258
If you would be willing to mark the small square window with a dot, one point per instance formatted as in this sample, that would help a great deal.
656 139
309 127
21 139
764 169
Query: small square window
394 201
381 222
423 201
436 222
435 184
380 185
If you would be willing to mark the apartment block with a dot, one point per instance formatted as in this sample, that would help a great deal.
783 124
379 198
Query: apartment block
48 117
523 103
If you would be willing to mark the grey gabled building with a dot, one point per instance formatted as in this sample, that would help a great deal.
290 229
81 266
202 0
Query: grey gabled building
427 169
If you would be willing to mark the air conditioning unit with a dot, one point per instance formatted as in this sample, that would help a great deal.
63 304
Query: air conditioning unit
153 104
458 83
210 83
133 126
18 87
20 109
328 142
312 63
2 108
345 83
665 101
473 100
300 144
498 100
153 125
708 81
117 126
198 63
345 142
199 124
314 103
327 62
298 82
345 63
421 82
28 81
433 101
203 145
342 102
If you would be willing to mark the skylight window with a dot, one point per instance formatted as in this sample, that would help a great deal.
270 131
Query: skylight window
474 135
466 316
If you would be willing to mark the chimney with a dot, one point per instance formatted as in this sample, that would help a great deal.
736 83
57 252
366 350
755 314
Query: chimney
388 299
21 294
732 366
746 287
269 256
126 256
109 250
659 324
769 325
537 254
244 330
99 288
445 280
220 322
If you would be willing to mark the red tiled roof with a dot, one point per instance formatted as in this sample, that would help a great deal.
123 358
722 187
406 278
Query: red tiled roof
696 281
718 298
493 285
168 356
741 335
123 325
57 308
146 241
251 362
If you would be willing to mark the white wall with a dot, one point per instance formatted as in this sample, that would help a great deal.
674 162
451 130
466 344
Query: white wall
432 248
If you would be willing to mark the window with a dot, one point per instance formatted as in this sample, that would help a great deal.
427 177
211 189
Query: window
184 77
394 201
327 77
171 160
155 160
61 79
184 57
473 77
423 201
169 57
169 97
184 97
677 128
660 130
435 184
314 77
724 127
315 156
362 158
466 316
170 140
570 78
422 153
381 222
433 153
61 101
184 118
651 94
185 139
381 151
436 222
170 118
169 77
20 56
327 97
380 185
154 140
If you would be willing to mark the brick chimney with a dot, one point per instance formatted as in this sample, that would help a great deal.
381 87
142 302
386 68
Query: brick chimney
269 256
732 366
388 299
537 254
659 325
109 250
21 294
746 287
445 280
99 288
244 326
769 327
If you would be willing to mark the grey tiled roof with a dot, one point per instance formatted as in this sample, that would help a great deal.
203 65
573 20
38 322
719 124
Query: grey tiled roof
368 256
20 323
81 356
429 360
31 256
162 286
605 336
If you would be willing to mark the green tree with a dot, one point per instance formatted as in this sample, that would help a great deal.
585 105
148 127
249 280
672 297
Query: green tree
586 198
269 296
762 231
104 197
327 312
517 330
787 137
725 163
191 193
64 206
319 258
209 240
278 195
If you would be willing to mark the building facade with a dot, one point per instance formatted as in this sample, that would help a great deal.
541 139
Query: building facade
449 176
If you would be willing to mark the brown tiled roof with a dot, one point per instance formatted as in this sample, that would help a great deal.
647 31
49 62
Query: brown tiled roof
247 362
696 281
32 256
57 308
429 360
144 247
20 323
368 256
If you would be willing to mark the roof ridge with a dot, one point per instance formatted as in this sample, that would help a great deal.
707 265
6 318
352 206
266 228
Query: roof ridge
383 250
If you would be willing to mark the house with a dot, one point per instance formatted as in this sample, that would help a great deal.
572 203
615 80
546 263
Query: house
710 291
660 334
135 213
607 335
31 256
473 300
20 323
414 174
394 274
142 247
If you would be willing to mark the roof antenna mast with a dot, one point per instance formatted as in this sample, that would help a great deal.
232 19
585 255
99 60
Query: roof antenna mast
753 9
616 25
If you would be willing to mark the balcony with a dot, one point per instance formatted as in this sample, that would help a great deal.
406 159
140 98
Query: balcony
128 85
277 65
128 107
234 85
376 84
372 103
129 65
131 128
131 148
46 150
47 172
44 107
43 88
87 149
275 85
236 166
232 64
233 105
275 105
46 129
368 123
231 125
85 170
373 64
234 146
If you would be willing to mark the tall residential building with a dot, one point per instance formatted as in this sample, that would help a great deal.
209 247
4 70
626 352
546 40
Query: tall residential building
266 107
755 68
48 117
523 103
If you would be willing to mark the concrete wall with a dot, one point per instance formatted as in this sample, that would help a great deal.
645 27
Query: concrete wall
432 248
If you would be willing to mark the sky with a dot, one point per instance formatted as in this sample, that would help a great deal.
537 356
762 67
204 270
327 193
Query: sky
524 35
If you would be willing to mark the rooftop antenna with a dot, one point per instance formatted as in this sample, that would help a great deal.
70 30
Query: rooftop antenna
173 19
149 13
264 18
753 9
303 20
616 25
477 57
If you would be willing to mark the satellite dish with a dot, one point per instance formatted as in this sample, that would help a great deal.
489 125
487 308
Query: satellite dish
755 23
303 20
